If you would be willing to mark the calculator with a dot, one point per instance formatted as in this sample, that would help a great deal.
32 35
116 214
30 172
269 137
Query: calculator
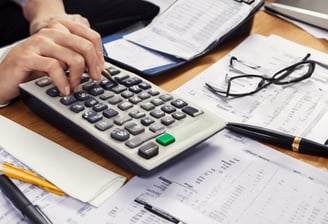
129 120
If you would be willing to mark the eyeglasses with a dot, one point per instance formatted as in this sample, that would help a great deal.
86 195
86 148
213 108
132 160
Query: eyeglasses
247 83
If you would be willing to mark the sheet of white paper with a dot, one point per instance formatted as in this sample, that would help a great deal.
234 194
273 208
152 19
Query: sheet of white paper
189 27
134 55
244 182
44 199
76 176
228 180
299 109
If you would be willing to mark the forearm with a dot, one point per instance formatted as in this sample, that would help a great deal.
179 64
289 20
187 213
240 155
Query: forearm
38 12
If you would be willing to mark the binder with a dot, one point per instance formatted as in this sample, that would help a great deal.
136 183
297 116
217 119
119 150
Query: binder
212 13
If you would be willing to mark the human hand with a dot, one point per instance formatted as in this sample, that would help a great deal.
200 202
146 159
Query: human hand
62 45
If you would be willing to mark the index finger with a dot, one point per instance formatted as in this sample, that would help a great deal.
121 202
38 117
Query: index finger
86 32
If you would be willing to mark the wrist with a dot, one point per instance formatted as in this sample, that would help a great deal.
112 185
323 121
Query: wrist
39 12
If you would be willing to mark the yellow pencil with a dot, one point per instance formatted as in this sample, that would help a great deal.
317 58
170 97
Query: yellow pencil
28 177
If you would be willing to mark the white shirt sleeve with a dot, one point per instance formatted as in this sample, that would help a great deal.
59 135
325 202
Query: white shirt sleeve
3 53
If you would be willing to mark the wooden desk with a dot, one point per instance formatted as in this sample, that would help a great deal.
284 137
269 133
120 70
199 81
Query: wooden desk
263 24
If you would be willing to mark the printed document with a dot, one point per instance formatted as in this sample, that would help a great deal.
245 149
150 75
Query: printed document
228 180
299 109
189 27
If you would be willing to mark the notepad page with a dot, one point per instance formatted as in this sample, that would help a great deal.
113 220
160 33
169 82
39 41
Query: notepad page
75 175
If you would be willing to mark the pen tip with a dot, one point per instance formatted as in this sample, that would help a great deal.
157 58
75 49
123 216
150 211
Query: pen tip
105 73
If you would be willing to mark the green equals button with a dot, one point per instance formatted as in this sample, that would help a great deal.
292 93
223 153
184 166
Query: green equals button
165 139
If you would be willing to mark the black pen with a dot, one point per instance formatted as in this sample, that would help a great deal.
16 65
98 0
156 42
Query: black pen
21 202
158 212
294 143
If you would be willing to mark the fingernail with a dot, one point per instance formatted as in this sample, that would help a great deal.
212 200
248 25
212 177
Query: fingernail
67 91
99 70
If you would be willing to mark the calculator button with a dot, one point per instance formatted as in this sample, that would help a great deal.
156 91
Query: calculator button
43 82
134 128
106 95
167 120
146 121
149 150
179 103
114 100
84 78
153 92
99 107
103 125
178 115
131 81
134 142
91 102
148 106
166 97
89 85
143 95
165 139
53 92
142 138
68 100
125 105
82 95
118 89
107 84
135 99
157 101
92 116
192 111
135 89
113 71
157 113
77 107
121 77
127 94
168 109
120 120
120 134
144 85
156 128
136 114
96 91
109 113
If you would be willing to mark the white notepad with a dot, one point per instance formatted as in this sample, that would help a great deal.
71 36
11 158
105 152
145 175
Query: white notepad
75 175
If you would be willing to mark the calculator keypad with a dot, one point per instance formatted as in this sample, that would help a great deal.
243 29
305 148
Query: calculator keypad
129 109
131 121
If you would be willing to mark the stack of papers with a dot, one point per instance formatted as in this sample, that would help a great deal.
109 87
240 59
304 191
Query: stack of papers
186 30
229 178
